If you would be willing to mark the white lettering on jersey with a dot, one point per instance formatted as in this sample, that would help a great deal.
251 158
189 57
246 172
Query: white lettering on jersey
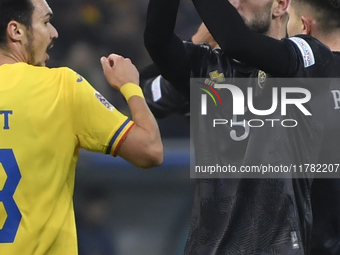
306 51
336 97
156 89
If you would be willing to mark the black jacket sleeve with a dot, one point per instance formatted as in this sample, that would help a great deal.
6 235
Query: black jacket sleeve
165 48
149 71
238 42
162 98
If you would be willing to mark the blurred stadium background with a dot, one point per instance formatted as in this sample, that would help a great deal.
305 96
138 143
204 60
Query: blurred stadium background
135 211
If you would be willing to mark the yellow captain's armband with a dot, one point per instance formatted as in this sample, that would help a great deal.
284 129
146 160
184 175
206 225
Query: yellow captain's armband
130 89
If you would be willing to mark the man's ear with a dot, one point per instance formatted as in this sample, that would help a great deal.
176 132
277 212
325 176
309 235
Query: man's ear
15 31
280 7
307 24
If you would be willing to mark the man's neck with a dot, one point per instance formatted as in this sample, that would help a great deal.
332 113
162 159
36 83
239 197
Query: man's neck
7 57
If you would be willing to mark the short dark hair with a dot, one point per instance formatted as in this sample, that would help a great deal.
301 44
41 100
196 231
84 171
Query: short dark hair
328 12
18 10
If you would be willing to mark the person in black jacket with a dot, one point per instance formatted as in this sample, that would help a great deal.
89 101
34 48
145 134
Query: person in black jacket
254 216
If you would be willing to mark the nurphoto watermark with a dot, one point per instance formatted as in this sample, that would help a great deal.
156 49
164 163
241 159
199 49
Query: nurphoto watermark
263 127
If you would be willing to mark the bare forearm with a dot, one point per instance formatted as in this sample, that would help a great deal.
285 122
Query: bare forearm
142 145
145 136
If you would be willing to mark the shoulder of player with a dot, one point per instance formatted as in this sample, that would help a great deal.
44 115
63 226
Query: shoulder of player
49 72
310 40
67 74
311 52
308 44
60 70
63 77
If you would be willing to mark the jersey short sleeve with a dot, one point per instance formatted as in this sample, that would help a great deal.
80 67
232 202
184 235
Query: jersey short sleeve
98 125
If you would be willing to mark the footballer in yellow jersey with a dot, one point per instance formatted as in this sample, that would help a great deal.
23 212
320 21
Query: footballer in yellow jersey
53 109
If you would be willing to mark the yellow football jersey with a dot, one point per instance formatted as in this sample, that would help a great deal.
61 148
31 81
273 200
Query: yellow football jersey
46 116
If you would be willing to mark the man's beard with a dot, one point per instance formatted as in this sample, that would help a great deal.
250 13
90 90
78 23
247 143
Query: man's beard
260 23
259 26
30 50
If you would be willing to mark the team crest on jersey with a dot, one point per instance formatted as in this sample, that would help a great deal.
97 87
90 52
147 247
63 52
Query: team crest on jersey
261 78
104 101
216 76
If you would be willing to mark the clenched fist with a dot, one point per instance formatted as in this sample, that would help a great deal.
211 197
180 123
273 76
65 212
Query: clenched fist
119 70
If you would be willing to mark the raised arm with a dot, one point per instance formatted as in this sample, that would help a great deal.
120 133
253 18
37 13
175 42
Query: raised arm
233 36
161 96
165 48
142 146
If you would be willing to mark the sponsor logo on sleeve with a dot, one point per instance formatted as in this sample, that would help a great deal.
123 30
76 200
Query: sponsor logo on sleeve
306 51
104 101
